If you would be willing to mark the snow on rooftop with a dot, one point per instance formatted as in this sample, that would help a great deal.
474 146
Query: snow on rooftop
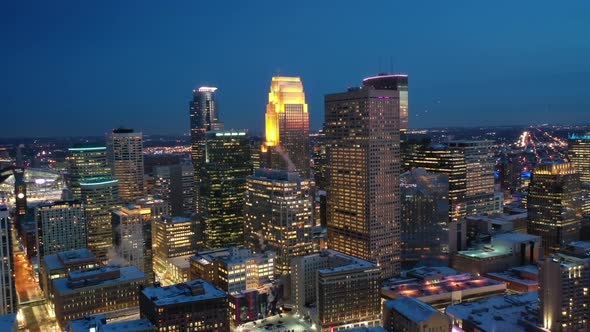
500 313
99 321
411 308
183 292
127 274
365 329
515 237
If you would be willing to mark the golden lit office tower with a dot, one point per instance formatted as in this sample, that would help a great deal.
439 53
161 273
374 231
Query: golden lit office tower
203 117
554 206
363 152
125 149
579 154
278 215
287 127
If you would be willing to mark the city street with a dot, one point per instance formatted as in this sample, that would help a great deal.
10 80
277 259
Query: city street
32 308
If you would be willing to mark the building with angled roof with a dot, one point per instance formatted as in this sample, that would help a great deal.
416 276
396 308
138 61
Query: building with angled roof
411 315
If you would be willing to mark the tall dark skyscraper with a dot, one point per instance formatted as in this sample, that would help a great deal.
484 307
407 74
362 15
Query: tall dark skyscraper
8 299
222 186
92 182
287 127
363 147
203 118
554 210
396 82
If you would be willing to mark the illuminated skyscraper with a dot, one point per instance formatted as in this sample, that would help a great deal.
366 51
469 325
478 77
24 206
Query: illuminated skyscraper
480 174
278 215
126 160
564 279
8 299
554 210
61 226
579 154
92 182
204 117
363 151
176 184
223 182
396 82
440 159
287 127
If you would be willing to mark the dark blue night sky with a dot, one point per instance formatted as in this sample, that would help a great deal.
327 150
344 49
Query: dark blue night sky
83 67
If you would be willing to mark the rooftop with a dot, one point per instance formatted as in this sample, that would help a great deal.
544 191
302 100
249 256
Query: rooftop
65 259
99 322
516 237
346 262
499 313
97 277
285 322
366 329
411 308
190 291
483 253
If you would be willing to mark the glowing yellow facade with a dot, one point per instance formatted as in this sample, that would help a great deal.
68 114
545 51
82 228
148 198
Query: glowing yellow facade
283 91
287 125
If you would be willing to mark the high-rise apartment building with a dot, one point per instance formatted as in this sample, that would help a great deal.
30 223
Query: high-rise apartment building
363 203
61 226
279 215
191 306
91 182
176 185
579 154
222 186
287 127
99 290
8 299
554 210
132 233
480 175
125 149
203 118
564 280
441 159
424 216
343 290
396 82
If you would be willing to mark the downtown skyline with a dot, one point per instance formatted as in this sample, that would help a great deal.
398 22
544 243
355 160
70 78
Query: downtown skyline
98 67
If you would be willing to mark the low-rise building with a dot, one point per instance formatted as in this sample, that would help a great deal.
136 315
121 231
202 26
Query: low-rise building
234 269
97 290
58 265
336 290
409 314
517 312
99 323
192 306
505 251
522 279
252 304
441 286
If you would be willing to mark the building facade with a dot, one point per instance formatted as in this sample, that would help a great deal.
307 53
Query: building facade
61 226
287 127
125 149
8 298
176 185
174 237
363 202
409 314
191 306
278 215
222 186
203 117
395 82
554 209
